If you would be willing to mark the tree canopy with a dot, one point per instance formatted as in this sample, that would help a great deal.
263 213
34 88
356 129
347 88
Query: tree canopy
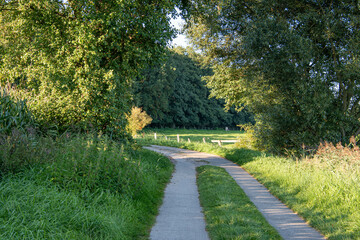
74 60
174 95
295 64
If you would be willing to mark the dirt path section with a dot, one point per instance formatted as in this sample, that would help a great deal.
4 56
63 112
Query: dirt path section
181 217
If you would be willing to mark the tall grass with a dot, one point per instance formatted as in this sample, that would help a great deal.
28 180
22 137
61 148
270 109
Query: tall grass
79 187
324 189
328 199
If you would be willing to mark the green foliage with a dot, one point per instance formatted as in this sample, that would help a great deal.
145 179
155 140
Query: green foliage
174 95
137 120
228 211
81 187
74 60
93 163
294 64
14 114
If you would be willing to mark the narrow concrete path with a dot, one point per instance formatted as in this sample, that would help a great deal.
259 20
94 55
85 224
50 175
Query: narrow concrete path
180 215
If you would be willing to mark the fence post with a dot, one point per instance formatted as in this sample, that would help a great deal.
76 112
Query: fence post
204 140
155 136
189 140
165 137
178 138
219 142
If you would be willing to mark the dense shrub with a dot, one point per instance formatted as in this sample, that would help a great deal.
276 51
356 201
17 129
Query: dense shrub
20 149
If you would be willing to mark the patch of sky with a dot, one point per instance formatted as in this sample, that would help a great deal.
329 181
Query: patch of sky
180 39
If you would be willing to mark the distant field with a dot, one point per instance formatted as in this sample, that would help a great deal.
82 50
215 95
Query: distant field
195 135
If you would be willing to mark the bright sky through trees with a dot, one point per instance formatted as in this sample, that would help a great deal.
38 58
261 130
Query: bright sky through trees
181 39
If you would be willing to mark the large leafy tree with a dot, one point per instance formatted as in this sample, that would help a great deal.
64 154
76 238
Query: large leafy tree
74 60
175 96
295 64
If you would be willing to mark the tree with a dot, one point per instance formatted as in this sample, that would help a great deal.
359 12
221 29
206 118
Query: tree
75 60
295 64
174 95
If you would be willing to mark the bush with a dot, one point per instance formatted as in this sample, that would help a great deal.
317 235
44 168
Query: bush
137 120
73 162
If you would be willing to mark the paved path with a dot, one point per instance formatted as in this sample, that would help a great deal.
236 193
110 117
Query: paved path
180 215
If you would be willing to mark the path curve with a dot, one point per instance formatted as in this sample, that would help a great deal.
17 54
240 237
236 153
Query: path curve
181 217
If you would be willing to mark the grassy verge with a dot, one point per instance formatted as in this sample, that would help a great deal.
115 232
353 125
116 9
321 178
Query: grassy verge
228 211
328 199
325 193
82 187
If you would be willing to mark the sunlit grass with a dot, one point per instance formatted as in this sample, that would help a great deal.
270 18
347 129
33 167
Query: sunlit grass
194 135
228 211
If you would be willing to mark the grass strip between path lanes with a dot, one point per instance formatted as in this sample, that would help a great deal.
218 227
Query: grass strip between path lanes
327 198
228 211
